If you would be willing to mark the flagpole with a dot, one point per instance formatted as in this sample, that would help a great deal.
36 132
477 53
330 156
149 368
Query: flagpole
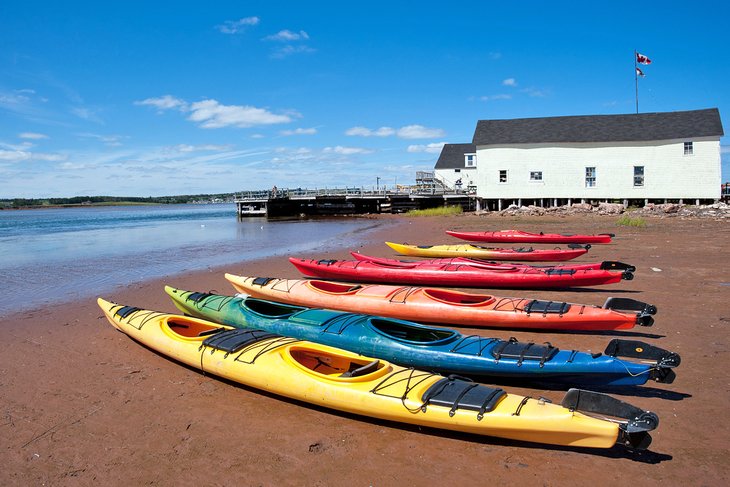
636 82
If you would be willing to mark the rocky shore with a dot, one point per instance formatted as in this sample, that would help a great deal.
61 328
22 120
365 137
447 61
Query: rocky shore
717 210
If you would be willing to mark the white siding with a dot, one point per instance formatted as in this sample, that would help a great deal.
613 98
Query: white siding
668 173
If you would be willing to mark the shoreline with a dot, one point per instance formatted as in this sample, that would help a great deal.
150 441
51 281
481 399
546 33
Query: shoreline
83 404
67 278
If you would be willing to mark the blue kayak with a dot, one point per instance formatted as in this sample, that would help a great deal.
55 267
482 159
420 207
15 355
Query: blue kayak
434 348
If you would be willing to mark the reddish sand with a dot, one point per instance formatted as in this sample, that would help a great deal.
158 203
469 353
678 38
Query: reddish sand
82 404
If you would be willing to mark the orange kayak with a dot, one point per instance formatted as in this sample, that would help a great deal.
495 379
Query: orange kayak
437 305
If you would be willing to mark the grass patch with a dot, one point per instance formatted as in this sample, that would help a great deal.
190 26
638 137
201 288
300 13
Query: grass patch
628 221
440 211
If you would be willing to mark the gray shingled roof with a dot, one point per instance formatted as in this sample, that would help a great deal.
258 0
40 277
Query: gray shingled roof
600 128
452 155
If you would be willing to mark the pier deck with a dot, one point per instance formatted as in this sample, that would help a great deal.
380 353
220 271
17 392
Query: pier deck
346 201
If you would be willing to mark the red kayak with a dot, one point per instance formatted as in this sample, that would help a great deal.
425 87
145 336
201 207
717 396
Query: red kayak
609 265
456 275
517 236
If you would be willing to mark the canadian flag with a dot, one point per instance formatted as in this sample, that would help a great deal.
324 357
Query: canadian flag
639 72
641 59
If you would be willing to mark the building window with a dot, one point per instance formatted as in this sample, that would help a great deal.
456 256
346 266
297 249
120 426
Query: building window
688 149
590 177
470 160
457 170
535 175
638 175
503 176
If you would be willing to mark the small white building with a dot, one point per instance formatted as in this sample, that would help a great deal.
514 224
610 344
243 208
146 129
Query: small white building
456 167
633 158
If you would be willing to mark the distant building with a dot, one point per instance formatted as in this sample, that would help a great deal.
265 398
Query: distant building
633 158
457 166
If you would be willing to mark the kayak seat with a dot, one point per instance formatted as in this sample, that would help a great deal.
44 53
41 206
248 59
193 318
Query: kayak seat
546 307
362 370
232 341
333 287
270 309
522 249
524 351
262 281
459 393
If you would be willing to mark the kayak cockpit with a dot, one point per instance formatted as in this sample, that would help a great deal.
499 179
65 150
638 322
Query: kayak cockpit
270 309
333 287
188 328
457 298
336 366
411 332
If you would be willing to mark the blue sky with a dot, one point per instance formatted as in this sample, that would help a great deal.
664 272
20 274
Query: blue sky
160 98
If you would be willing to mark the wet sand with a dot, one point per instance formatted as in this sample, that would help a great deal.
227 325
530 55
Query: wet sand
82 404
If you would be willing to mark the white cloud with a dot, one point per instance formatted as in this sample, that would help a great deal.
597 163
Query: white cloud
14 155
9 99
366 132
494 55
288 50
288 36
433 148
166 102
211 114
257 136
509 82
21 155
237 26
199 148
346 151
299 131
725 149
299 151
86 114
419 132
534 92
495 97
406 132
110 140
32 136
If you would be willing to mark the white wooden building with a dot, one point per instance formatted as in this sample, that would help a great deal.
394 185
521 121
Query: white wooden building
457 166
634 159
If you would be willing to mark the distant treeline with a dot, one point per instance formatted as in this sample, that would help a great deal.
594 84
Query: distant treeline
111 200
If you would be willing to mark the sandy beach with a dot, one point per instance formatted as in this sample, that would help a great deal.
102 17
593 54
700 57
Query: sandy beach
82 404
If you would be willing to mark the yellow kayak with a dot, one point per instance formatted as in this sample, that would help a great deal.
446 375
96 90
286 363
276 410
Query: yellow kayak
488 253
345 381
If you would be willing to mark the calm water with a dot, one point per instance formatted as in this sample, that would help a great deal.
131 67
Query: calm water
53 255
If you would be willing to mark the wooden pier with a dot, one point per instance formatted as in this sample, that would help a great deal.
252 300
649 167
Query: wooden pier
346 201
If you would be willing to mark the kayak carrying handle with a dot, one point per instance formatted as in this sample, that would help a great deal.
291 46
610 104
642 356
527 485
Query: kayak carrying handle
633 433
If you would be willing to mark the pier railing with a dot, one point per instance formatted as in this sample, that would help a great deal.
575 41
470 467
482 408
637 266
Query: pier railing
296 193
